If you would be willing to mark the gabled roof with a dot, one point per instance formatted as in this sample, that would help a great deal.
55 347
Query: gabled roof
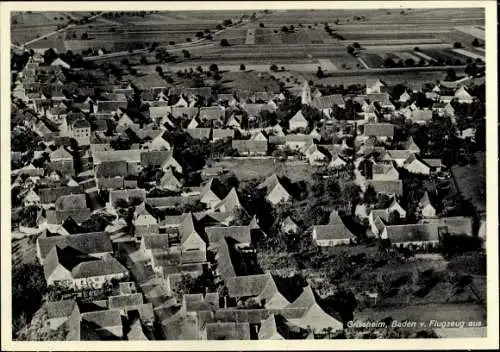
87 243
241 234
379 129
298 117
410 144
130 155
425 201
108 265
269 329
155 157
60 154
123 301
412 233
382 98
390 187
230 202
103 318
327 101
334 230
211 113
218 133
60 309
399 154
199 133
71 201
247 286
421 115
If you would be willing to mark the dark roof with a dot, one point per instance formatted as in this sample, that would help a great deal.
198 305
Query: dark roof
412 233
88 243
333 232
211 113
50 195
81 123
60 309
247 286
98 267
249 146
156 157
241 234
327 101
228 331
123 301
114 168
71 201
103 318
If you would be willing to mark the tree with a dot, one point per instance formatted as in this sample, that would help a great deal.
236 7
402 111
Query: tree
261 25
451 75
457 45
188 40
213 67
274 68
28 288
224 42
320 73
85 36
370 196
159 70
227 22
284 29
410 62
356 45
350 50
242 67
186 54
475 42
199 34
416 49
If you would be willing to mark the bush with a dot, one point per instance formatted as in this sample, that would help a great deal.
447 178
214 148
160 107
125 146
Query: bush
224 42
213 68
416 49
457 45
188 40
242 67
475 42
261 25
274 68
171 42
284 29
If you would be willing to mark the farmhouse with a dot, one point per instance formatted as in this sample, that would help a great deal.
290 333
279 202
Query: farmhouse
333 234
298 121
381 131
275 192
415 166
411 235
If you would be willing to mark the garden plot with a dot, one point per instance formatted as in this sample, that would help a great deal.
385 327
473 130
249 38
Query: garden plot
448 56
416 41
404 55
250 39
372 60
300 37
267 36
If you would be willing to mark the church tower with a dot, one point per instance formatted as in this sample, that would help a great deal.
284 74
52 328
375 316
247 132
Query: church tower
306 94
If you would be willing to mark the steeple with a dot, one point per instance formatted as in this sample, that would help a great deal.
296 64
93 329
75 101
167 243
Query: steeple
306 94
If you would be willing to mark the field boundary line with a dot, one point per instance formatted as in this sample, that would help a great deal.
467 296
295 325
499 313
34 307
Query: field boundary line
363 63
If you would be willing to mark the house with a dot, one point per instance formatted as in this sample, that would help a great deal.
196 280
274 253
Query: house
162 159
72 205
275 192
234 121
297 141
230 203
415 166
411 235
61 160
61 63
207 195
58 312
315 135
289 226
390 188
144 223
102 325
337 162
212 113
157 142
226 331
381 131
261 288
399 156
31 198
455 224
194 123
314 155
311 315
405 97
298 121
335 233
410 145
463 96
425 206
258 136
199 133
80 131
326 103
435 164
249 147
95 244
169 181
382 99
384 172
240 235
421 116
374 86
222 134
71 268
190 238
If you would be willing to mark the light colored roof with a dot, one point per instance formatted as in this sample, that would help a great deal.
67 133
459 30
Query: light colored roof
103 318
379 129
412 233
230 202
298 117
130 155
333 232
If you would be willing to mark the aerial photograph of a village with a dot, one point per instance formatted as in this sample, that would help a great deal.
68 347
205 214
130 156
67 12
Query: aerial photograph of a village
265 174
